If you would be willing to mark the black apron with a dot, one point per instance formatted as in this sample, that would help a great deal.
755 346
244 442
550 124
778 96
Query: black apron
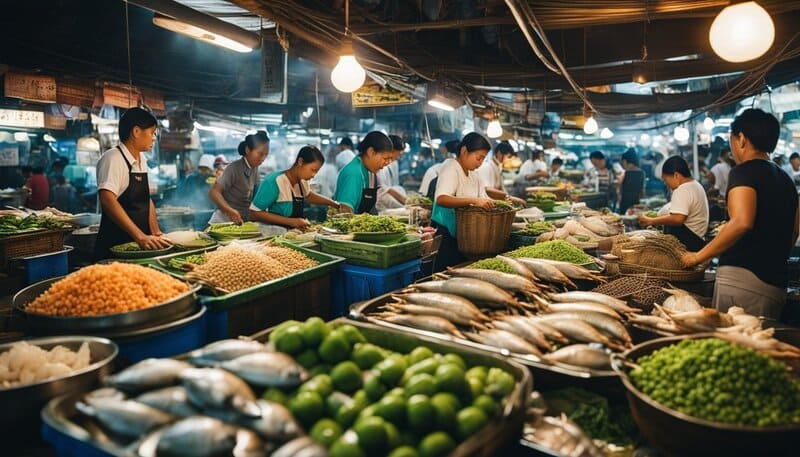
369 196
298 202
631 190
135 201
432 188
690 239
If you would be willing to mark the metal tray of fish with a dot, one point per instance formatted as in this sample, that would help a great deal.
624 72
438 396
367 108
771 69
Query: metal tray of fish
175 308
546 374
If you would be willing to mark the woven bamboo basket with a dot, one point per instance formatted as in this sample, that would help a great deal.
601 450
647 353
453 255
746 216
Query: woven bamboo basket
692 275
29 244
483 233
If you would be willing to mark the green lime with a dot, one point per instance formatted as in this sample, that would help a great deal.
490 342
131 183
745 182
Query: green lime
409 438
392 435
335 401
455 359
278 330
477 372
419 354
374 387
275 395
347 446
308 358
361 398
487 404
353 334
391 370
420 413
499 383
436 444
326 432
307 407
347 414
392 408
422 383
290 341
313 331
319 369
427 366
369 411
404 451
450 378
346 377
371 433
366 355
396 392
446 410
449 398
475 386
321 384
334 348
469 421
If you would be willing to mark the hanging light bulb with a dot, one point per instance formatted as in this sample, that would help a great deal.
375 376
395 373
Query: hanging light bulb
708 123
645 140
590 126
494 129
348 75
742 32
606 133
681 134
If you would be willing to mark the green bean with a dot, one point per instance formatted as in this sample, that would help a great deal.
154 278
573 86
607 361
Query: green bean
553 250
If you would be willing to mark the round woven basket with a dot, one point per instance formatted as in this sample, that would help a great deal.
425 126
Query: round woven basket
692 275
483 233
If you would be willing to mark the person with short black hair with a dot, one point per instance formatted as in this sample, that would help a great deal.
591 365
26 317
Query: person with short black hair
555 167
491 173
793 167
631 186
602 176
753 247
718 175
686 215
390 193
38 189
357 185
346 154
282 195
233 191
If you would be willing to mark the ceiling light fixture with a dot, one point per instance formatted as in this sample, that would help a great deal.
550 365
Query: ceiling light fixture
681 134
441 98
606 133
494 129
348 75
590 126
742 32
708 123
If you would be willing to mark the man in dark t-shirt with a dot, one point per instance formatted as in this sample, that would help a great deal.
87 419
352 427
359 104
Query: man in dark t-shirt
763 206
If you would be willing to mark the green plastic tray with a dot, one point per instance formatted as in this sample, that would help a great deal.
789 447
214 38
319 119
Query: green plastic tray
372 255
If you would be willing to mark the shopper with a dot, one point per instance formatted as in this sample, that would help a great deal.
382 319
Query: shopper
282 195
555 167
346 154
458 186
754 245
390 193
793 167
325 180
357 186
718 175
533 168
601 176
491 173
631 186
686 215
193 189
220 162
123 191
65 197
428 185
233 191
38 189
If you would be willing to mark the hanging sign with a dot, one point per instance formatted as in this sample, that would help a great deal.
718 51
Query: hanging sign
35 88
75 92
19 118
371 94
121 95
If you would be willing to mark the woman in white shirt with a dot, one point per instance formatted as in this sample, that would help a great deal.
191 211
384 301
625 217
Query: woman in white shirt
458 186
687 217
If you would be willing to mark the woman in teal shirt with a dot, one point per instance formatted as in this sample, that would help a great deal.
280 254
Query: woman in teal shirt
356 187
281 196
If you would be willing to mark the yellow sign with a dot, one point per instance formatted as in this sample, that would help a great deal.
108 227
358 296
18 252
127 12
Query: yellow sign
19 118
372 94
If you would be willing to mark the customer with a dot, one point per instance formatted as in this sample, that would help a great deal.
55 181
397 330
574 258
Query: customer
491 173
39 189
763 208
193 189
533 168
345 154
602 176
631 186
718 175
793 167
686 215
555 167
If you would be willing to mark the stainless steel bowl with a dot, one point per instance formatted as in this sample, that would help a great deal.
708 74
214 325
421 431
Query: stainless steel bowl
22 403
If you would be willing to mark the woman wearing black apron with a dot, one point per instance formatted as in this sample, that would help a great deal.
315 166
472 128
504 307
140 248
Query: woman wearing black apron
123 191
631 188
282 195
686 215
356 187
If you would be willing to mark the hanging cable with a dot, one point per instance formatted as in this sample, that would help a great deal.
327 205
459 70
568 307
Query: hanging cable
128 43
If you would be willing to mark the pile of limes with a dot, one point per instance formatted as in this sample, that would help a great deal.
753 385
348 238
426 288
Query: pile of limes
365 400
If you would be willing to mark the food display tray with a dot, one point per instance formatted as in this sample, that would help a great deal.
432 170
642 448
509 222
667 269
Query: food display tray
372 255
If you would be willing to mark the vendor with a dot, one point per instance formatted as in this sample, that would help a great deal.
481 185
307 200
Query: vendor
601 176
491 173
458 186
533 168
282 195
631 186
428 185
357 186
555 168
345 154
123 190
686 215
233 190
390 193
753 247
194 187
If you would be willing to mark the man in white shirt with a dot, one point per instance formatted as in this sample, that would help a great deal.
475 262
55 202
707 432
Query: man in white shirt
719 173
491 172
533 168
346 153
325 180
390 193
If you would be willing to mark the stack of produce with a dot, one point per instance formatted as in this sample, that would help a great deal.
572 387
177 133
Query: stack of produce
545 201
718 381
365 223
553 250
600 420
26 363
106 289
227 232
536 228
15 225
186 263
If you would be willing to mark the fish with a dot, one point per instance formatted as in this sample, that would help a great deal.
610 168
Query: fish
702 320
172 400
606 324
505 281
455 318
267 369
581 306
546 272
126 418
521 327
300 447
549 332
505 340
573 271
275 424
450 303
655 322
220 351
148 374
216 388
477 290
578 330
616 304
518 268
679 300
201 436
764 344
581 355
106 392
422 322
598 227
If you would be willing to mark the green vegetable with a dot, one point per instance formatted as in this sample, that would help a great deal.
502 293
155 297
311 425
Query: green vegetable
492 264
503 205
718 381
536 228
542 196
365 223
651 214
229 232
185 263
127 247
592 412
15 225
553 250
418 200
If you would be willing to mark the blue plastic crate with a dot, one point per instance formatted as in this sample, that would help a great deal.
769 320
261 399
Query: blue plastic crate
165 340
46 266
352 283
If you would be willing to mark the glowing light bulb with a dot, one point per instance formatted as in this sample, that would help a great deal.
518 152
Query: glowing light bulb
708 123
645 140
742 32
681 134
494 129
348 75
590 127
606 133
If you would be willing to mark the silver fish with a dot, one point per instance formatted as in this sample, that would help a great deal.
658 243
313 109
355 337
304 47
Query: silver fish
448 302
524 329
172 400
124 417
300 447
505 281
518 267
504 340
223 350
106 392
581 355
574 271
407 308
422 322
578 330
201 436
478 290
549 332
582 306
616 304
275 424
606 324
267 369
216 388
148 374
546 272
680 301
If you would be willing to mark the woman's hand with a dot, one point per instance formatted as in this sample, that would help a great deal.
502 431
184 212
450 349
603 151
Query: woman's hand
235 217
517 201
690 259
645 221
153 242
298 223
484 203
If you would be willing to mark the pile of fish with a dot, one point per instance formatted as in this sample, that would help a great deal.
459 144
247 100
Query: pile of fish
584 232
203 406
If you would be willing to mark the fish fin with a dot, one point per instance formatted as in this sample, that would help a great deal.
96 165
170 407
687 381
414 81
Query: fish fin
85 409
479 325
245 407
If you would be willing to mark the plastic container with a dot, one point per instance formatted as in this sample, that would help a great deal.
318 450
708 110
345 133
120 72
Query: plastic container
164 340
46 266
372 255
353 283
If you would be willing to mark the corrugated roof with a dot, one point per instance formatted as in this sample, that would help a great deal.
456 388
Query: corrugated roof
229 12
